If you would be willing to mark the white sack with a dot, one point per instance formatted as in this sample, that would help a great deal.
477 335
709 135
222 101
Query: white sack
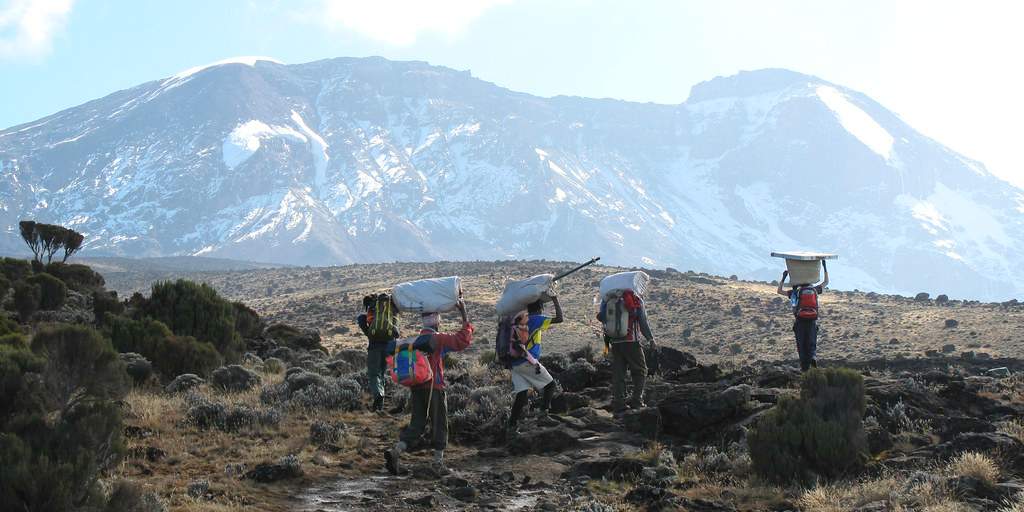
437 295
635 281
519 294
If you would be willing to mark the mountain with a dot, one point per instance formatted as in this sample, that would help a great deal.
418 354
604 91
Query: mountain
368 160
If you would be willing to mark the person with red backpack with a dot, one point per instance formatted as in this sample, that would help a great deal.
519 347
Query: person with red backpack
625 347
527 371
429 402
379 322
804 299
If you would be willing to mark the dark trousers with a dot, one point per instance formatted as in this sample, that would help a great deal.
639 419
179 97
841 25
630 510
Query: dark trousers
427 408
376 370
806 342
628 355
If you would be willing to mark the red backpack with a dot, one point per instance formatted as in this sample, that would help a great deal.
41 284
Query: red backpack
806 307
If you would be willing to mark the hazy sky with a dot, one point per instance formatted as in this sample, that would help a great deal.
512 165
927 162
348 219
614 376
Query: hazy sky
948 68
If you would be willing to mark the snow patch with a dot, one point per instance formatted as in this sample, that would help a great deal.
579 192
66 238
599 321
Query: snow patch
244 141
251 61
857 122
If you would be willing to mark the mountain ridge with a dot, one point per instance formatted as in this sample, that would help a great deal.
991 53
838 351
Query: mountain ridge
367 160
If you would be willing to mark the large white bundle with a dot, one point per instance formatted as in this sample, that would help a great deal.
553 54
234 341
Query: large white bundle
803 271
519 294
635 281
437 295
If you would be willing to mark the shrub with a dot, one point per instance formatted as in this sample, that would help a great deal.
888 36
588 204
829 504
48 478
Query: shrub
26 300
8 326
128 496
52 450
171 355
5 284
105 302
235 378
323 433
819 432
80 278
247 322
137 367
81 366
15 269
191 309
288 336
53 291
183 383
16 393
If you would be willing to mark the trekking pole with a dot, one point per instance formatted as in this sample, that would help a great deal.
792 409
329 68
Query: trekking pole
567 272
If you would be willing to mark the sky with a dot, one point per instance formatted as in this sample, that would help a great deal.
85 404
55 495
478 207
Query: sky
947 68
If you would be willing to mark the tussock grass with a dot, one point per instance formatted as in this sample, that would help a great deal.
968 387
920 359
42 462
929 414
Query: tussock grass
975 465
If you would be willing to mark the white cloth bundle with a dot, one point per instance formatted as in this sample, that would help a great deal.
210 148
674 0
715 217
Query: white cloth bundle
436 295
635 281
519 294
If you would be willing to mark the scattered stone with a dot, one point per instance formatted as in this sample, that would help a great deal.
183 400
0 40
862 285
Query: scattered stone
951 323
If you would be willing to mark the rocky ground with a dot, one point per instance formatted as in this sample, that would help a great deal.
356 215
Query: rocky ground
943 431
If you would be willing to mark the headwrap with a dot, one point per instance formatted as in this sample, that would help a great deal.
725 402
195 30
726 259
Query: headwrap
431 319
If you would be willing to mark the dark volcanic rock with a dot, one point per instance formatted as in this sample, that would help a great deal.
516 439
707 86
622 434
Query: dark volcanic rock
646 421
613 468
700 410
547 440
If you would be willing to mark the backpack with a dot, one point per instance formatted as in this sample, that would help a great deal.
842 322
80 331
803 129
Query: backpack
510 342
616 315
382 318
806 306
409 365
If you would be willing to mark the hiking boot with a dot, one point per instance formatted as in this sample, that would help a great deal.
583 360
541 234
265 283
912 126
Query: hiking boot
391 461
637 404
545 420
616 407
440 469
512 433
378 403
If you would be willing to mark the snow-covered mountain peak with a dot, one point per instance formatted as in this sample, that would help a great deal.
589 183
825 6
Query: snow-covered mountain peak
249 61
368 160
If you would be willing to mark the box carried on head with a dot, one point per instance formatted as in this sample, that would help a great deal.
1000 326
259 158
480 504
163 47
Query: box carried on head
804 267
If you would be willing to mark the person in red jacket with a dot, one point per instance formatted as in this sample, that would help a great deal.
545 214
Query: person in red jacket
431 395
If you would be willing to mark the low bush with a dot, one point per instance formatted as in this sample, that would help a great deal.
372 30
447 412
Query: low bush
80 278
171 355
818 433
14 269
53 291
27 298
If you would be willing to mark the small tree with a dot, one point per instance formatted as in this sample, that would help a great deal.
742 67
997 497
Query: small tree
82 367
47 239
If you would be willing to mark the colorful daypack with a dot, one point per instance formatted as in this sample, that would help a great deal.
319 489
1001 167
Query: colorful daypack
409 364
806 307
382 318
510 342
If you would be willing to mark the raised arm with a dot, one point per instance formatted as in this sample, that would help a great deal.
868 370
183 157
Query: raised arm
779 290
558 310
825 282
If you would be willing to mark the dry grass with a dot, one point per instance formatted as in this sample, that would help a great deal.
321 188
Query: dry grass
974 465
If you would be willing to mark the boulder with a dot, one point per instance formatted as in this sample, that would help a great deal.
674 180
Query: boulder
699 410
646 421
577 376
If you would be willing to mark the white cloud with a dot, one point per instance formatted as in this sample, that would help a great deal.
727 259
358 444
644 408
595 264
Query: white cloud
27 27
400 22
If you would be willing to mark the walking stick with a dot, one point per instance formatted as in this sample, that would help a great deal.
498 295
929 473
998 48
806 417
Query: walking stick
567 272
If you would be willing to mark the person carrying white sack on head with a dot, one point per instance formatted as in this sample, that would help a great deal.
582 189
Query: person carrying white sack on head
624 342
527 372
